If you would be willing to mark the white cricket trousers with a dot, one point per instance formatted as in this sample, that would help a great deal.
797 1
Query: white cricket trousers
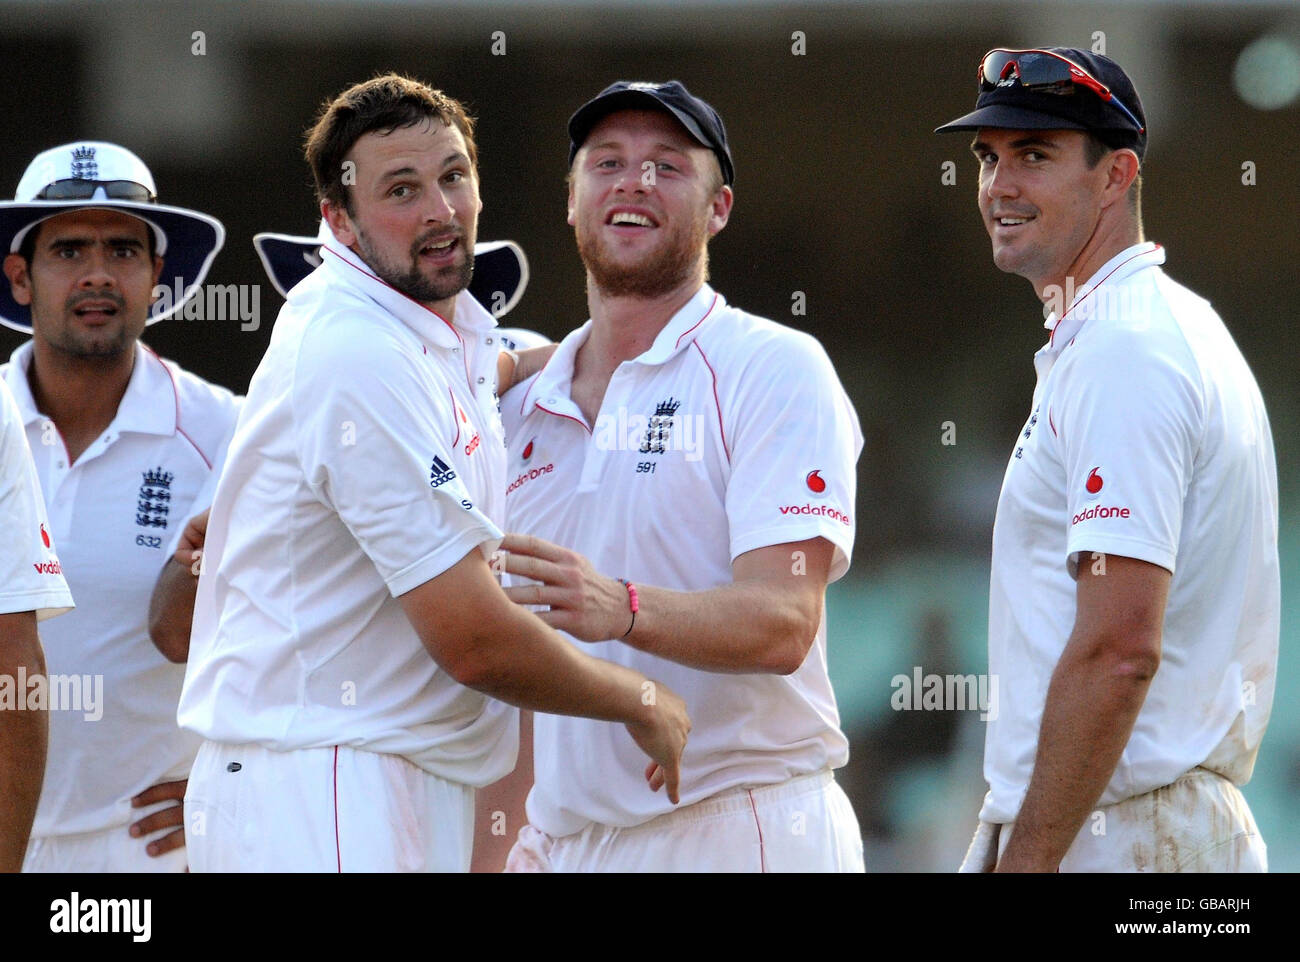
1199 822
805 824
250 809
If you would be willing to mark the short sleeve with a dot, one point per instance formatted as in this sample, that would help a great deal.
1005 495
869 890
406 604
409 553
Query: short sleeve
1127 413
31 578
374 441
793 440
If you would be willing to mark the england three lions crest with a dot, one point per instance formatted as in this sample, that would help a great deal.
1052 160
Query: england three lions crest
660 429
154 499
84 165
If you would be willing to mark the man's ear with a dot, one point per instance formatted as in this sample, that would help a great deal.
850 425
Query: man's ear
1122 170
20 281
570 202
339 221
721 211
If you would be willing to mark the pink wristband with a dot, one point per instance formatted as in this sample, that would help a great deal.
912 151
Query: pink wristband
633 602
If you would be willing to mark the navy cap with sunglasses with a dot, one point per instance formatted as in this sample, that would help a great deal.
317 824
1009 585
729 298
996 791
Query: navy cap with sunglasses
1057 88
700 120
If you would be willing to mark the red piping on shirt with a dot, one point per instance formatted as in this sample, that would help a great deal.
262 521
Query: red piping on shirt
1050 423
716 403
697 323
464 355
1052 339
762 851
561 414
338 851
176 394
453 416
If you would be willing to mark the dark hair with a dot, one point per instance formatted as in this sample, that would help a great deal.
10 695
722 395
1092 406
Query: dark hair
1095 147
27 249
382 103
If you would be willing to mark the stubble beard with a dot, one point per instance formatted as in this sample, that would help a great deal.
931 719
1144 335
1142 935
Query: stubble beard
91 345
670 266
449 281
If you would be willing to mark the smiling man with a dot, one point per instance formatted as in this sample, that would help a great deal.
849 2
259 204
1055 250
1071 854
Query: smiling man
126 446
685 475
1135 603
350 640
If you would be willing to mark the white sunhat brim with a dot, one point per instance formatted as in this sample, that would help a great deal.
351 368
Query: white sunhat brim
188 241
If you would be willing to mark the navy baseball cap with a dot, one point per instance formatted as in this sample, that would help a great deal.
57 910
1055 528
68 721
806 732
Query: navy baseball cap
700 120
1037 90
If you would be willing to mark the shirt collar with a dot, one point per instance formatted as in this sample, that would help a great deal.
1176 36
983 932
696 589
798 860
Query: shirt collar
348 268
684 326
1083 305
552 388
150 405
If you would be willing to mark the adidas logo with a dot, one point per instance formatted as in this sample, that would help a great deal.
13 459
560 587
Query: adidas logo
439 473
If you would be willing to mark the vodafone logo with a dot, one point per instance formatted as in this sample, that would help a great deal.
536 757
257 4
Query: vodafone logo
48 568
45 536
528 450
1093 483
816 483
821 510
1097 511
532 474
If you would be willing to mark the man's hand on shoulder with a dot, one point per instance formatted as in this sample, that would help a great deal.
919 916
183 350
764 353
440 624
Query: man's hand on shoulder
515 367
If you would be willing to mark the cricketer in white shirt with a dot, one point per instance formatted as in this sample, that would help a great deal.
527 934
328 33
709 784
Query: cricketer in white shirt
1147 439
731 433
117 514
348 484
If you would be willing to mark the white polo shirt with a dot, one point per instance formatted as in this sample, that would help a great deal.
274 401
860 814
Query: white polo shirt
368 460
31 575
730 433
1147 439
117 515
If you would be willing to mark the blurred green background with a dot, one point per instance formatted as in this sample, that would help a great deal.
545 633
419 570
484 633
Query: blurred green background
840 195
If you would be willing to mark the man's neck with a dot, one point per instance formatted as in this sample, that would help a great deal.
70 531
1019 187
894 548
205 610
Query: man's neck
1100 249
626 327
80 395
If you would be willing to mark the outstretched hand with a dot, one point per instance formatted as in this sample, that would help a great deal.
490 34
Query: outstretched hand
582 602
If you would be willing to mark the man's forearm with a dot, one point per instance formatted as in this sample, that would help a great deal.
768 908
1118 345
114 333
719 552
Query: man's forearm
540 671
171 610
740 628
1092 704
24 735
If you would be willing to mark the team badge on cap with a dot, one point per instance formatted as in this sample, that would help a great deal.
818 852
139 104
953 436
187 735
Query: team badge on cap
94 174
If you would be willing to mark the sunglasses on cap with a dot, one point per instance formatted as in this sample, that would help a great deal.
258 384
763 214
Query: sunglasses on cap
1044 72
76 189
